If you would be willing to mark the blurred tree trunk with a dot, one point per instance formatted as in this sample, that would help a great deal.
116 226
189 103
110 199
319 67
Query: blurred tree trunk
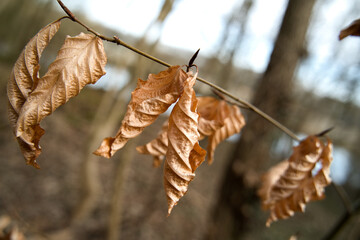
229 44
233 213
240 16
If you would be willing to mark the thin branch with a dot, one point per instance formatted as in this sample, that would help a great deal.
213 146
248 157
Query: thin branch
219 89
222 97
253 108
119 42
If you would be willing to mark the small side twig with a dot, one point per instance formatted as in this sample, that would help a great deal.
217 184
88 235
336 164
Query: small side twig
219 89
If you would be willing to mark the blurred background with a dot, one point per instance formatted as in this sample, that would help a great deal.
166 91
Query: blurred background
283 56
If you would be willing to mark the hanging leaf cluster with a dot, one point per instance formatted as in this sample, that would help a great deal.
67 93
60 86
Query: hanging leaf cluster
80 61
190 120
217 120
287 187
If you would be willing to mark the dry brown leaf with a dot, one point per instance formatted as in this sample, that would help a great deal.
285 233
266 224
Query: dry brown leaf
9 229
352 30
211 118
270 178
80 61
148 101
157 147
184 154
23 80
288 186
233 124
213 113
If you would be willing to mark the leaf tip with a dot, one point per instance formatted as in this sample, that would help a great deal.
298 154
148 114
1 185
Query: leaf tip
33 163
141 149
171 205
268 223
210 159
104 150
157 161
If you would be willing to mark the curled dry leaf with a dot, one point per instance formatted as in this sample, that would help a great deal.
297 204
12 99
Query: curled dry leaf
270 178
184 154
352 30
157 147
288 186
233 124
80 61
148 101
209 121
23 80
214 114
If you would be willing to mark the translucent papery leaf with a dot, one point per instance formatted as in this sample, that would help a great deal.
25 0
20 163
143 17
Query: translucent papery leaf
211 118
80 61
157 147
184 154
232 125
287 192
270 178
313 188
213 113
301 163
23 80
25 73
352 30
150 99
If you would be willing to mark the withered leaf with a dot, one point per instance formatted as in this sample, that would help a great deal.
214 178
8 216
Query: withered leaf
211 118
270 178
214 115
352 30
157 147
288 186
184 154
80 61
23 80
233 124
148 101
